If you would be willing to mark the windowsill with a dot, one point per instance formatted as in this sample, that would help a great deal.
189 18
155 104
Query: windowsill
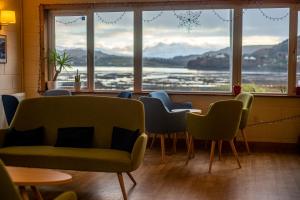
85 92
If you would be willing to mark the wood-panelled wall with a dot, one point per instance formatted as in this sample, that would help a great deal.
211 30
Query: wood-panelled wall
11 72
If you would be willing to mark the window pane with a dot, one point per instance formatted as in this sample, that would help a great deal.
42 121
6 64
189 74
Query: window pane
70 37
114 50
180 57
265 50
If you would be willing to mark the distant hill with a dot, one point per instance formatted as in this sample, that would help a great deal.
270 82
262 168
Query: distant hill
255 57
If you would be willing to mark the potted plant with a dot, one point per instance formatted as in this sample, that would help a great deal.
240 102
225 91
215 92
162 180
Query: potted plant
60 62
77 83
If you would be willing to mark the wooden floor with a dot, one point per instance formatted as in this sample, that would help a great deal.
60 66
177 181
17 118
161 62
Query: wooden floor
264 175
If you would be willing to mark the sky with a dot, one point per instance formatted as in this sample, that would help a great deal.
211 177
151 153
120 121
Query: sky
166 37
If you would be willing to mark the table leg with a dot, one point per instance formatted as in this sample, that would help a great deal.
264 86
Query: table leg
23 193
36 192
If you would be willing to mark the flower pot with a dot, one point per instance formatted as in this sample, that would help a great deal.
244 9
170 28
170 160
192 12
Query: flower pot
77 86
237 89
51 85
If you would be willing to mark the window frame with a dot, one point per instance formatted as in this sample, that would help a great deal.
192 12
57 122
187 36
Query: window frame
138 8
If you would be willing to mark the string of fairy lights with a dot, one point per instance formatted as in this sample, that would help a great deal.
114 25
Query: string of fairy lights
187 18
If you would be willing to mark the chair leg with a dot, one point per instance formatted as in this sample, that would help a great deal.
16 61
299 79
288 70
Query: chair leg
193 148
23 193
189 151
212 154
220 148
121 181
36 193
187 141
245 140
152 142
131 177
174 142
235 153
162 146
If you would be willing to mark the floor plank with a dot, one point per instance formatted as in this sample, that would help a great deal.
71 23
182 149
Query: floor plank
264 175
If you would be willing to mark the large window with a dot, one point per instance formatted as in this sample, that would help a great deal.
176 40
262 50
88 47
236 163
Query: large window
187 56
192 47
71 37
113 55
265 50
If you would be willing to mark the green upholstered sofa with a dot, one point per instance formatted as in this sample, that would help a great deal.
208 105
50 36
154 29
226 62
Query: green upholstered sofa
102 113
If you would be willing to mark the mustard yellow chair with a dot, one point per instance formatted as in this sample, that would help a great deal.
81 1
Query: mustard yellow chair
247 100
220 124
8 190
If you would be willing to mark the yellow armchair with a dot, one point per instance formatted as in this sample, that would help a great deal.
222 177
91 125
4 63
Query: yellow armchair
221 123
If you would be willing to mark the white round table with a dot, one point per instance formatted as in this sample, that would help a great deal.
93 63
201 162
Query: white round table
193 110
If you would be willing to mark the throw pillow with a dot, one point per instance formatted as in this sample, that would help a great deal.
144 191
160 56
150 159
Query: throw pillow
32 137
77 137
124 139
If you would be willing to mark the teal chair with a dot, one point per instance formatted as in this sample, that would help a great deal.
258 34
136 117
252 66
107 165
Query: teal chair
247 100
220 124
8 191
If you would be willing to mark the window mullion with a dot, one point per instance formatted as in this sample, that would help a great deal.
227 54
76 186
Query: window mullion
237 46
90 51
138 49
292 54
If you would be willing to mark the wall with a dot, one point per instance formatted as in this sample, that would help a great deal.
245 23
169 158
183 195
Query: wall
11 72
264 108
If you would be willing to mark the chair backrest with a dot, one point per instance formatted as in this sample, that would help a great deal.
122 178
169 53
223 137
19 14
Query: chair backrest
220 123
57 93
247 99
10 105
155 115
125 94
102 113
164 97
8 191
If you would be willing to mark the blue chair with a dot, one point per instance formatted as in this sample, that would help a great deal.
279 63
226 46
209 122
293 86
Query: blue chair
125 95
57 93
160 121
10 105
164 97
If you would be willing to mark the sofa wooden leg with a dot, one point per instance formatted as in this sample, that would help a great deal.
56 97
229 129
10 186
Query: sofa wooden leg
121 181
131 177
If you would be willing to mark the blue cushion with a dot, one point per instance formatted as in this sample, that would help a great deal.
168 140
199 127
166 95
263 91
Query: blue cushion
77 137
124 139
32 137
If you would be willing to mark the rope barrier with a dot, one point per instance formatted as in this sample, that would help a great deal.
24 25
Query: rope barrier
275 121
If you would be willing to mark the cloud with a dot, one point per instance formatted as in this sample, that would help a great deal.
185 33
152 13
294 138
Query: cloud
211 34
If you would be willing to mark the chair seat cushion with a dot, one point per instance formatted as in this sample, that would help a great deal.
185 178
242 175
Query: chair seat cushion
81 159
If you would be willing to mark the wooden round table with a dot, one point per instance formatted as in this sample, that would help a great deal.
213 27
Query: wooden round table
33 177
